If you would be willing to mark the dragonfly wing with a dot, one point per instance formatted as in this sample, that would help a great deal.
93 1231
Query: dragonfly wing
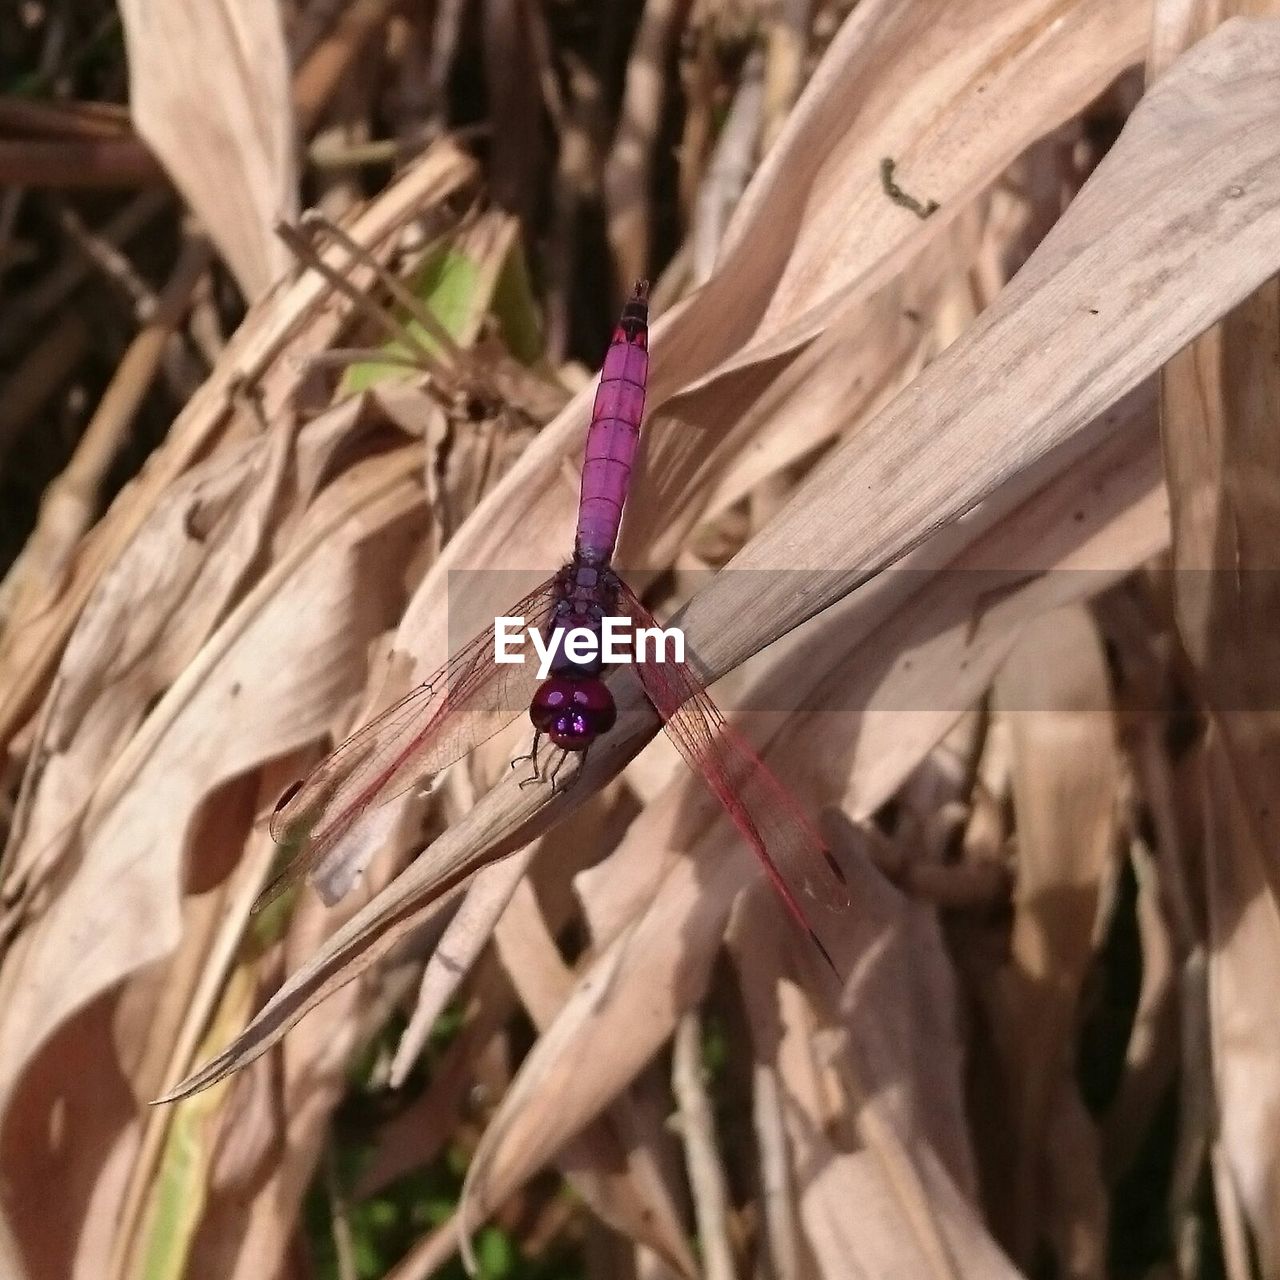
463 704
794 856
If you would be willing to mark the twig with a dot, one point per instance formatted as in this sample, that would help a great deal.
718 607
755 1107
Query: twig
344 1245
730 167
312 22
517 145
109 259
898 196
310 256
1196 1110
435 330
28 309
325 153
697 1127
44 369
443 382
204 324
70 500
444 47
627 171
345 357
331 58
428 1255
460 371
577 179
63 119
699 80
1151 1056
53 48
1233 1233
782 1234
74 162
787 44
51 52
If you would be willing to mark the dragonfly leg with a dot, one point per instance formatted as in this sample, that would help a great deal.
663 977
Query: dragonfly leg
556 786
530 755
555 773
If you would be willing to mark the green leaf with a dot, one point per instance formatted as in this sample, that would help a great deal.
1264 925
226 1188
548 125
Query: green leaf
445 285
495 1253
516 310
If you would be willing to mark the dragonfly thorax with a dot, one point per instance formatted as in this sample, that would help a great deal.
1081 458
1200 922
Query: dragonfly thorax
573 711
585 595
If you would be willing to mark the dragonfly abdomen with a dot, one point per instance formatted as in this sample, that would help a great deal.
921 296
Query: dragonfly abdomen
614 433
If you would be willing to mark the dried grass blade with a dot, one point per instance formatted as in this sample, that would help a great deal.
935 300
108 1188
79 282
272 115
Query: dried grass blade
293 321
615 1163
627 182
1220 402
128 903
1024 382
887 54
622 1010
466 935
951 114
1122 477
1177 224
1053 693
210 92
702 1155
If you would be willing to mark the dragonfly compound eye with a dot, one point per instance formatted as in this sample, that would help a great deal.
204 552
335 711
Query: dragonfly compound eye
572 713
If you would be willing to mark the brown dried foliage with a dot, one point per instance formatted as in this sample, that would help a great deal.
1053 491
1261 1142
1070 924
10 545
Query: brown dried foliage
979 503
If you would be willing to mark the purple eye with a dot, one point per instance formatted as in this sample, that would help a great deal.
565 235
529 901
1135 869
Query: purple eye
572 713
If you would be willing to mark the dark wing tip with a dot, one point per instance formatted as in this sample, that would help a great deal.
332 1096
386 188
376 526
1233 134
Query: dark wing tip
276 824
826 955
836 869
286 795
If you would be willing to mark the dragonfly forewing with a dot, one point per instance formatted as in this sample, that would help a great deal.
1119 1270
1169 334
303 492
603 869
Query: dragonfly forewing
468 700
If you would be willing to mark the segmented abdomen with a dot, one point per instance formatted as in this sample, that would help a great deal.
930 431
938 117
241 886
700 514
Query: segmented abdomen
613 437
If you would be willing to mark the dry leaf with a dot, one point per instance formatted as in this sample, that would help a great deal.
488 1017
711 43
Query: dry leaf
118 909
268 357
922 467
1220 402
1034 368
627 1004
209 91
1054 693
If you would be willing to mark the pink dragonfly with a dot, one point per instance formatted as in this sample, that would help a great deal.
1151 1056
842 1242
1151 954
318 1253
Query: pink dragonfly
472 697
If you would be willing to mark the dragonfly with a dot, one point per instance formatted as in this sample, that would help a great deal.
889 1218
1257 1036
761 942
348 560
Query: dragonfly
473 697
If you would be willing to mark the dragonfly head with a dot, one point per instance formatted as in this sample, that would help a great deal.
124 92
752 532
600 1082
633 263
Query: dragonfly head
573 713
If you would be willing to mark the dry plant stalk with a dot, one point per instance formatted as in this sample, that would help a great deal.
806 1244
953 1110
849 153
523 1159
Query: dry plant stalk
71 500
1033 407
1220 402
168 597
979 461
